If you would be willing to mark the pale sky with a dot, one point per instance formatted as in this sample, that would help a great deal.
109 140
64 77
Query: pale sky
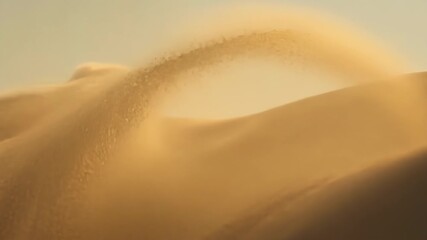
42 41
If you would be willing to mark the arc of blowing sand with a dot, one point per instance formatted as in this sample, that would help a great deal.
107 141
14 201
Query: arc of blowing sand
84 144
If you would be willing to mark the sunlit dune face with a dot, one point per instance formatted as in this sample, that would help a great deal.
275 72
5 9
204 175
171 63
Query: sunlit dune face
197 145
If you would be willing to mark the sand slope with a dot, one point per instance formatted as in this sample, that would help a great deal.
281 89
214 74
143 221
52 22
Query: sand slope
187 179
384 202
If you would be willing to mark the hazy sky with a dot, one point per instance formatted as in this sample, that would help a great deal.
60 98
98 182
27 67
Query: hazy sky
43 41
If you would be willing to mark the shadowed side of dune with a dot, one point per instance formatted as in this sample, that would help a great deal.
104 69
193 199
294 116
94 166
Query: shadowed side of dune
382 202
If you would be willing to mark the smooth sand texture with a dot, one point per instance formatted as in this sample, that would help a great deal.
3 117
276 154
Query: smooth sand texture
186 179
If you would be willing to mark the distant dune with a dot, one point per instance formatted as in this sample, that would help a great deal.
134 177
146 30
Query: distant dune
92 159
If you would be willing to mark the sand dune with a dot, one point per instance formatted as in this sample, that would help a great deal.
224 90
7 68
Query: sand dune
251 159
91 159
185 179
385 202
